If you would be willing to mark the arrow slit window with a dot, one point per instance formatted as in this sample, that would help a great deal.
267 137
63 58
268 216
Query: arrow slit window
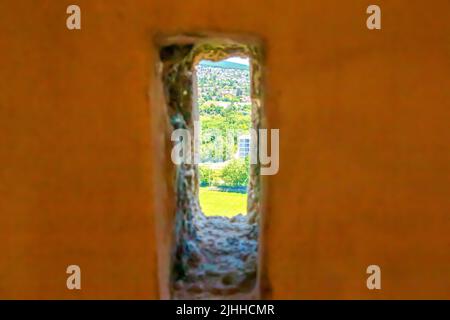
213 99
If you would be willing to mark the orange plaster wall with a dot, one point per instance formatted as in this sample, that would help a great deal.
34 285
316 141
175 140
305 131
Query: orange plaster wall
364 155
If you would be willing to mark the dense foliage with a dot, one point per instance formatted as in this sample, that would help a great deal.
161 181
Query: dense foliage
221 128
235 173
208 176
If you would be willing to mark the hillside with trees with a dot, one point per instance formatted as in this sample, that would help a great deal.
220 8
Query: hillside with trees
223 82
225 114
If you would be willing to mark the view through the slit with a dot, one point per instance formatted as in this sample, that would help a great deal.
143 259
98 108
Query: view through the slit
224 105
217 211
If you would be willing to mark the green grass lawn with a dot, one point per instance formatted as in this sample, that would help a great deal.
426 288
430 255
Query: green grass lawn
217 203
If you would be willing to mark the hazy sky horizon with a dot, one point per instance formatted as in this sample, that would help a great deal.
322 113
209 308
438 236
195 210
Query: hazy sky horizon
238 60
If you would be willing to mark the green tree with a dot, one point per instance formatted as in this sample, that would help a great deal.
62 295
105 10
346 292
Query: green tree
236 172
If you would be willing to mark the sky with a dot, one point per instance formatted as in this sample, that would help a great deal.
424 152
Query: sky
238 60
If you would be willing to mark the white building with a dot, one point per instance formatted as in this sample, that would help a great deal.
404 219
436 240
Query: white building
243 146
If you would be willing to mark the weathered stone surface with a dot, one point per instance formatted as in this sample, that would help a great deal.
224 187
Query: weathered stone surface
227 250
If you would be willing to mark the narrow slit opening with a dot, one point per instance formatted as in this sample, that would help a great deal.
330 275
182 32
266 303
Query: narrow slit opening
213 95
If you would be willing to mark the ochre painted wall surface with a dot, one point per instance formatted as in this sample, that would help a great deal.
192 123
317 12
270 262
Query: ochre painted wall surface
364 156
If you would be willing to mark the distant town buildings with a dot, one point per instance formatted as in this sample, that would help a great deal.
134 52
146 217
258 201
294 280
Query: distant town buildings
223 84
